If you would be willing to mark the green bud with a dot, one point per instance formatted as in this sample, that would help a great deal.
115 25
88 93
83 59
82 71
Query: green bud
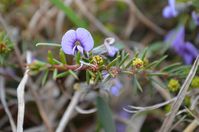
138 63
97 60
195 82
173 85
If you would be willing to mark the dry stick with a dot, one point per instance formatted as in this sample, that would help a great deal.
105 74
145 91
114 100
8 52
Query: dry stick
180 97
69 111
144 19
40 106
192 126
5 106
35 95
18 55
20 97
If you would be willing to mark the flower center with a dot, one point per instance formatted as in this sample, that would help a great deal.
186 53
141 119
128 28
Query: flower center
77 43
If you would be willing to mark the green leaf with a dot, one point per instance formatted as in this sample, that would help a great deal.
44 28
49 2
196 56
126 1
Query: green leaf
195 3
78 57
62 56
157 74
55 72
55 61
138 84
69 13
48 44
63 74
170 67
155 48
50 57
144 54
87 76
124 59
73 74
104 115
156 63
45 78
129 63
113 62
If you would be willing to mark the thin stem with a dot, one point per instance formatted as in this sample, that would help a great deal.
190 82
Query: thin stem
180 97
192 126
5 105
69 111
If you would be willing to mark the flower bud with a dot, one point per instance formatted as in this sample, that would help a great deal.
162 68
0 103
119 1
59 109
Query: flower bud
97 60
195 82
138 63
173 85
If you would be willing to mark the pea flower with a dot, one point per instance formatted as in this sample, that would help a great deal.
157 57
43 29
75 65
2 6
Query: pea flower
120 127
170 11
77 40
116 86
184 49
110 49
113 85
195 17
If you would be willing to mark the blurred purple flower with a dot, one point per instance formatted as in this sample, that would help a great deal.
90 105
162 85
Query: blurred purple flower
121 127
195 17
170 11
116 86
110 49
185 49
79 40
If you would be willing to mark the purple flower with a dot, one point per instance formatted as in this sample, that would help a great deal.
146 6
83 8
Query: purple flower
79 40
116 86
195 17
185 49
110 49
121 127
170 11
113 85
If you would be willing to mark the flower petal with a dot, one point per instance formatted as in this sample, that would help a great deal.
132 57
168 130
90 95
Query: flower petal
80 49
67 42
111 49
115 89
170 10
85 39
191 49
179 37
195 17
188 59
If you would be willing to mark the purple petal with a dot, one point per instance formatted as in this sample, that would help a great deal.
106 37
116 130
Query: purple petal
120 126
176 37
115 89
85 39
170 11
80 49
195 17
188 59
191 49
111 49
179 37
67 42
172 5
